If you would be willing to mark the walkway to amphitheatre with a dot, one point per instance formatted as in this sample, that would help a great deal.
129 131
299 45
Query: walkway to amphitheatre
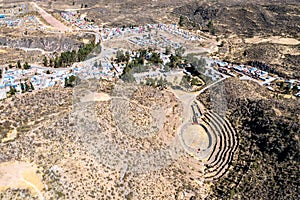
207 136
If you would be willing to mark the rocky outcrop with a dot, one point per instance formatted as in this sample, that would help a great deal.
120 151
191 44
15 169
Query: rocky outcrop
45 43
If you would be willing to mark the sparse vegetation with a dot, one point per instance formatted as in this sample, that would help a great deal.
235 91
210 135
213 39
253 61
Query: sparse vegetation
268 151
98 139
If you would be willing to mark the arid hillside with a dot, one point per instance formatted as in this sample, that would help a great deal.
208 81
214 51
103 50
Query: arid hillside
268 154
250 31
119 13
248 18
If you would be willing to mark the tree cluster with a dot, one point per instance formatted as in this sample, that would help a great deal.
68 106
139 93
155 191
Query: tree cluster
121 57
157 83
67 58
12 91
20 66
198 64
176 60
71 81
137 64
25 87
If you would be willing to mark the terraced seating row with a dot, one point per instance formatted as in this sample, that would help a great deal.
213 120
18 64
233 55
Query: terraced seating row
226 143
219 142
223 148
212 134
233 138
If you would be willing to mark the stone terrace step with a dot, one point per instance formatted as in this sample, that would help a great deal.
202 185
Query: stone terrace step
224 148
220 139
233 135
218 170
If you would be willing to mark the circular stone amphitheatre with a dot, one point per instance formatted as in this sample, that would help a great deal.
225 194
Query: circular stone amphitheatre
212 140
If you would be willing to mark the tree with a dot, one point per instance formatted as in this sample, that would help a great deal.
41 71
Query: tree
10 66
211 27
26 87
179 51
185 81
181 21
168 50
72 78
155 58
12 91
45 61
71 81
95 65
120 56
31 85
162 83
19 64
127 56
166 68
26 65
174 61
51 62
127 75
22 87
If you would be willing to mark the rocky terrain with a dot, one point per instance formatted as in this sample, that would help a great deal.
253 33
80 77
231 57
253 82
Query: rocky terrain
46 43
119 13
30 40
245 18
234 22
140 161
268 154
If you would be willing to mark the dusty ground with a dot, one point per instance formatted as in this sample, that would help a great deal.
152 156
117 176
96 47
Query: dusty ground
195 137
274 40
118 13
20 175
11 135
76 162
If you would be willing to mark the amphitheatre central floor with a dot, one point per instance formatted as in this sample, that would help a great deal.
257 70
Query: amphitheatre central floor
195 137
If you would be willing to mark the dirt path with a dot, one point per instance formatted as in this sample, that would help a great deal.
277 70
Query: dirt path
209 86
40 195
50 19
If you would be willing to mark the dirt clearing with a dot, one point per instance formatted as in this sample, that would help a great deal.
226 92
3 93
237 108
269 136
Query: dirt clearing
20 175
